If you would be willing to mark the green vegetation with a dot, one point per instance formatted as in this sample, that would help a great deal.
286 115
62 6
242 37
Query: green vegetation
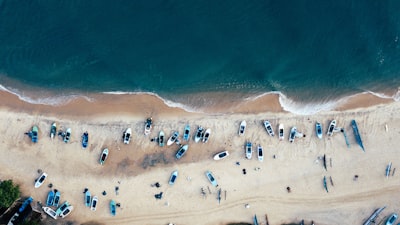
8 193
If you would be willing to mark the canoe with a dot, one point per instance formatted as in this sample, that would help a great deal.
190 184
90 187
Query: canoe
221 155
260 153
87 198
113 207
161 136
206 135
173 177
173 138
199 134
181 151
85 140
357 134
268 128
49 211
242 128
127 136
40 180
292 135
53 130
103 156
57 197
93 205
50 198
186 133
67 136
281 132
249 150
331 128
211 178
318 130
147 126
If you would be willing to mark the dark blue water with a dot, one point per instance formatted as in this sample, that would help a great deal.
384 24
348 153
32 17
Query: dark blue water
311 51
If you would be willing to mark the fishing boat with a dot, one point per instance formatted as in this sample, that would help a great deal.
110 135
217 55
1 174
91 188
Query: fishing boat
49 211
127 135
53 130
63 207
161 137
173 177
388 169
40 180
249 150
93 205
186 133
324 161
292 134
34 134
318 130
325 185
221 155
260 153
392 218
148 125
173 138
199 134
103 156
357 134
85 140
206 135
67 135
373 216
87 198
268 128
181 151
211 178
57 196
66 211
331 128
281 132
50 198
113 208
242 128
255 221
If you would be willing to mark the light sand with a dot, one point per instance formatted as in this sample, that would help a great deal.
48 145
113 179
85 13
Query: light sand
71 168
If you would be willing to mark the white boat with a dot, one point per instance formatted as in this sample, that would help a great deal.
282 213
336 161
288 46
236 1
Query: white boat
67 135
268 128
147 126
318 130
53 130
173 138
242 128
249 150
292 135
260 153
211 178
40 180
127 136
50 212
181 151
93 205
331 128
173 177
103 156
221 155
206 135
281 132
13 219
186 133
199 134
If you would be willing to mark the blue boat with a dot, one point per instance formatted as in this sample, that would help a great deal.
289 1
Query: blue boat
87 198
34 134
85 139
186 133
255 220
57 196
318 130
50 198
25 204
181 151
113 207
357 134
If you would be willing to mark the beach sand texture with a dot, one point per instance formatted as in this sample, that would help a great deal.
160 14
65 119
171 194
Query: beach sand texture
135 167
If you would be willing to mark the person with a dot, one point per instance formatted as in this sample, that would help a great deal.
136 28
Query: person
288 189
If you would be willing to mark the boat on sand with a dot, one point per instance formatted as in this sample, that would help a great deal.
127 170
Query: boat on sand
260 153
148 125
161 137
50 198
186 133
127 136
87 198
53 130
281 132
268 128
221 155
34 134
113 208
103 156
181 151
49 211
331 128
318 130
211 178
57 196
325 185
173 177
40 180
242 128
93 205
292 134
206 135
392 218
85 140
173 138
249 150
199 134
357 134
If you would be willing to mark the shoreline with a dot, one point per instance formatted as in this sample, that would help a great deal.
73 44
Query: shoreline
142 163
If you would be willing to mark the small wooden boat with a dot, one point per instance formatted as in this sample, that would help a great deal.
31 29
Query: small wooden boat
87 198
260 153
173 177
49 211
331 128
103 156
281 132
292 135
268 128
173 138
113 208
67 135
161 137
181 151
186 133
57 196
93 205
199 134
50 198
53 130
127 136
147 126
40 180
318 130
242 128
249 150
221 155
206 135
85 140
211 178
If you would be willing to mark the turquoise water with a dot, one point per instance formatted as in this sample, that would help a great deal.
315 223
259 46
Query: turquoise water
310 51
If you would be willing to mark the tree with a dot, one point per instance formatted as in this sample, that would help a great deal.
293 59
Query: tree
8 193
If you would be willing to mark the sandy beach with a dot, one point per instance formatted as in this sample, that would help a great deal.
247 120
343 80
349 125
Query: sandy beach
134 168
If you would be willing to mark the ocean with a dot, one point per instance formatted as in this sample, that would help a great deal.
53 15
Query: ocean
309 52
